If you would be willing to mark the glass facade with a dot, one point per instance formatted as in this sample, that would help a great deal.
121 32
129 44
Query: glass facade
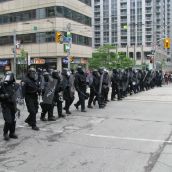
4 0
42 13
88 2
44 37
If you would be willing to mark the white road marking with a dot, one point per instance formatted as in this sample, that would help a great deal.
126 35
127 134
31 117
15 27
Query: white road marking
129 138
41 129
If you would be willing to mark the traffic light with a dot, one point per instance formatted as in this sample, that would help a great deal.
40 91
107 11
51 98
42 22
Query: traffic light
72 59
58 37
167 43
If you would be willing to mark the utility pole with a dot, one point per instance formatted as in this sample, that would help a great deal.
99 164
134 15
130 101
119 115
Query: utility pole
69 44
14 51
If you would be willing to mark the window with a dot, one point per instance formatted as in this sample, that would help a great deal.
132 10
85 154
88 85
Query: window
50 12
88 2
43 13
43 37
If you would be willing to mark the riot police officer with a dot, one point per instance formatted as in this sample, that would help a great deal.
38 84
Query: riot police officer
94 87
58 97
31 91
9 106
114 84
68 95
81 86
101 97
47 97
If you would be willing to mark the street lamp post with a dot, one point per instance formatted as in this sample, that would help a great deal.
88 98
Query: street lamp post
69 45
14 51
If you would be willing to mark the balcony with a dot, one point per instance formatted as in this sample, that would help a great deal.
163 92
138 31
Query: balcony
148 32
148 4
96 9
148 39
148 18
148 11
123 13
124 21
97 23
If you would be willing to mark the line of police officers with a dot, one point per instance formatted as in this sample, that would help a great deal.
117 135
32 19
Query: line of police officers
56 88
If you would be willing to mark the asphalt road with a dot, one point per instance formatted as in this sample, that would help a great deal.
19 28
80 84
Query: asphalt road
133 135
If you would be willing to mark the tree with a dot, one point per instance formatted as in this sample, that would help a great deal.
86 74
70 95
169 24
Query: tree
21 63
107 57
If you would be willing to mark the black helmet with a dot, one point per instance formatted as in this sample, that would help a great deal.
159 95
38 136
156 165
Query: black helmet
32 73
95 72
46 76
55 74
50 71
72 71
9 77
101 70
64 71
114 70
80 70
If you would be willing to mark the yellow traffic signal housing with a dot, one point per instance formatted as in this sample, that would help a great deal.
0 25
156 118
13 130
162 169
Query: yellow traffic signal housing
58 37
72 59
167 43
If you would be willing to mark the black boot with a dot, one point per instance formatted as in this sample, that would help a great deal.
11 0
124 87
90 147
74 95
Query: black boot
68 112
52 118
28 122
42 118
12 130
89 106
6 137
6 129
35 128
76 106
62 116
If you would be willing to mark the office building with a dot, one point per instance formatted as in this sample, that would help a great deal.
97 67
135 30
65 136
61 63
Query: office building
136 27
35 23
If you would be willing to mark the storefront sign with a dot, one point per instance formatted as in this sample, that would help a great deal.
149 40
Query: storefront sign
39 61
84 60
4 62
7 68
65 60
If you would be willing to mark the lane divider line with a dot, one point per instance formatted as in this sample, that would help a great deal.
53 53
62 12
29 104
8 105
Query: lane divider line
129 138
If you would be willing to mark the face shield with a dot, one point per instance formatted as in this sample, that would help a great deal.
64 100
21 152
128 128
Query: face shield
33 75
46 76
68 73
9 78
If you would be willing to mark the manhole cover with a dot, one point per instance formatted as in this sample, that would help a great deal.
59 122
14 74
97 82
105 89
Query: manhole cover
14 163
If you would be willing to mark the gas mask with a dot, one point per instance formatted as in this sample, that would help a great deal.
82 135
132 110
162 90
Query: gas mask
9 78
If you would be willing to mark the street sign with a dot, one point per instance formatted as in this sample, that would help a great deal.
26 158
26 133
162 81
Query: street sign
66 47
65 60
67 39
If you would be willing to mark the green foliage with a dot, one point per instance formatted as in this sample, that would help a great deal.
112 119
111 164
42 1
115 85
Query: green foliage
106 57
23 55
